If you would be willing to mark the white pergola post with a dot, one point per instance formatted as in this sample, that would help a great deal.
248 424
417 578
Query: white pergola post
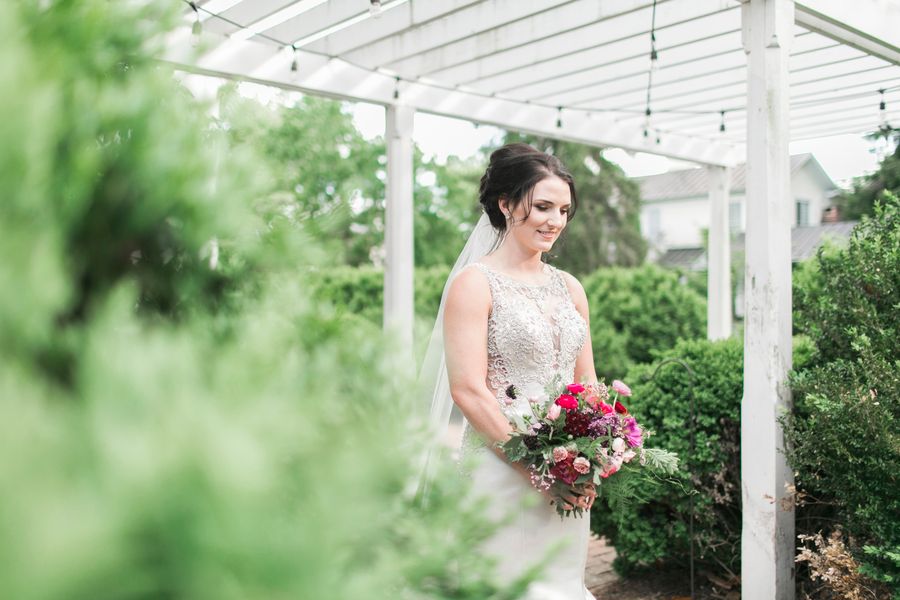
767 538
398 228
718 263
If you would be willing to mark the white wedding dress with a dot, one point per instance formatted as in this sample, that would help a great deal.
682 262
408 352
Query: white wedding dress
534 335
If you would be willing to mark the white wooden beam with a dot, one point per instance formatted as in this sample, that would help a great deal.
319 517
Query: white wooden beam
767 535
398 230
718 251
260 62
868 25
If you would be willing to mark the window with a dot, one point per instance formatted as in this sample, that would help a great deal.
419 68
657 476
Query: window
653 223
802 213
734 216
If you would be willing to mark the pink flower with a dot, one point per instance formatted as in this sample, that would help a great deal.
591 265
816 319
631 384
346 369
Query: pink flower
582 465
575 388
618 445
633 432
608 470
605 408
567 402
560 454
553 412
621 388
629 455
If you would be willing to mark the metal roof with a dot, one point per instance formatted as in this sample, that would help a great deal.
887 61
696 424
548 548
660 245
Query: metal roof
694 183
569 69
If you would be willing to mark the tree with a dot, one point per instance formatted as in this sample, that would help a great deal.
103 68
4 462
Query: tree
868 189
606 228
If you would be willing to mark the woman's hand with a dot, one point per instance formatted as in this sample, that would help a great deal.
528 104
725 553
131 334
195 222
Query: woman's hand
571 497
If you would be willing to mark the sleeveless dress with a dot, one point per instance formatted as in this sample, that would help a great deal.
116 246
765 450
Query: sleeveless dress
534 335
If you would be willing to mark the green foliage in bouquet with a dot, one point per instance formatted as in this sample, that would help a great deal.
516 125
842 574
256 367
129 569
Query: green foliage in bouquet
655 532
637 311
843 434
178 419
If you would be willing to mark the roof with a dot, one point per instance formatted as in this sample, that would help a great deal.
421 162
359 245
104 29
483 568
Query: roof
576 70
805 241
690 183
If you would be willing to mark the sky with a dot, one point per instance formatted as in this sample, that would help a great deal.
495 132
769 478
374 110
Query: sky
842 157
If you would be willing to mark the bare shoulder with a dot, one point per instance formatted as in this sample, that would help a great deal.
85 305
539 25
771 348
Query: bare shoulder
469 290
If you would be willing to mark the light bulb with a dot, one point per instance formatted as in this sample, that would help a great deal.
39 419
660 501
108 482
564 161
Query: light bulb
375 8
196 32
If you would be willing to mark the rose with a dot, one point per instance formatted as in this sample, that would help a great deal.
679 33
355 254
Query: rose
620 408
553 412
621 388
582 465
605 408
560 454
567 402
575 388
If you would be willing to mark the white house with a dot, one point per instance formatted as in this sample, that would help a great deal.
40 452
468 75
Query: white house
675 205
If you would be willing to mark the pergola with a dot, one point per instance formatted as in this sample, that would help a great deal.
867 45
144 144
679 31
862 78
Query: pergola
739 79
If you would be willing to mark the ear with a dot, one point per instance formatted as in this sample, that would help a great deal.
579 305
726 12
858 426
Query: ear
503 203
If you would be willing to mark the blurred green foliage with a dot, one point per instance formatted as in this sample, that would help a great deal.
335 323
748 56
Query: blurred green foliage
867 190
178 417
635 312
843 438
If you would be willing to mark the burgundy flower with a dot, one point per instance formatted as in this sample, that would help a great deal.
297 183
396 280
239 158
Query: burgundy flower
620 408
565 471
578 423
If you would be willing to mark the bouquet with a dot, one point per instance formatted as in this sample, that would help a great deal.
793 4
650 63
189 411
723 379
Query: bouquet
581 440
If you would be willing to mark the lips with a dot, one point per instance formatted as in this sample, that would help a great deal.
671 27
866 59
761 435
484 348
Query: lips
546 234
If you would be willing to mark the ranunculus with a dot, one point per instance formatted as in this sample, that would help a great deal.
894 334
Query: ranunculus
575 388
633 433
605 408
567 402
553 412
620 408
565 472
560 454
620 387
582 465
618 445
608 470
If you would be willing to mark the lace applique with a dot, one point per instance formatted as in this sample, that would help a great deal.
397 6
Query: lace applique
534 335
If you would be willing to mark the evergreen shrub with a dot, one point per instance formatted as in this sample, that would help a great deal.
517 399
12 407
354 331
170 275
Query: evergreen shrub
843 434
637 311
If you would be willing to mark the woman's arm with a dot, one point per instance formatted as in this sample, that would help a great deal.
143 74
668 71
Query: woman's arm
466 313
584 364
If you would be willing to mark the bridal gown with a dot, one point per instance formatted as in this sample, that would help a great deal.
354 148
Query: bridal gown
534 335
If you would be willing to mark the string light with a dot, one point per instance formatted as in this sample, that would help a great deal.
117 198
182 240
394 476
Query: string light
647 114
375 8
882 112
396 88
559 117
722 121
654 67
295 66
658 137
197 27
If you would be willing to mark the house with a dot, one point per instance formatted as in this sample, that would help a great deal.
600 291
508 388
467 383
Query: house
675 205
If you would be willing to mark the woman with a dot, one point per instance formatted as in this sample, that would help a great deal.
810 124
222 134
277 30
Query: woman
511 325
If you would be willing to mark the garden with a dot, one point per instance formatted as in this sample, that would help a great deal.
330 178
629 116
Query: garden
197 399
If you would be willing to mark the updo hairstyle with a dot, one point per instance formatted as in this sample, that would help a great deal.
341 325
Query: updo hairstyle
512 173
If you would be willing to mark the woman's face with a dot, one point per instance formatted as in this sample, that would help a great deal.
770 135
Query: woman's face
551 201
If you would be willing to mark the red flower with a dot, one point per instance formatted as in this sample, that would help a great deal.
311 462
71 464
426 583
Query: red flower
575 388
620 408
567 402
605 408
565 471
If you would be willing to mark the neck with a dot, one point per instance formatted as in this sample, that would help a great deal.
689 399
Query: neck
513 257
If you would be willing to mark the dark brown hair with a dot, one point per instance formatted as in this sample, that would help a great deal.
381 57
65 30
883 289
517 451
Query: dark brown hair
512 173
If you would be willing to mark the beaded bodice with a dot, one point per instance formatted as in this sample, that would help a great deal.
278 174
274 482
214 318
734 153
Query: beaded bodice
534 335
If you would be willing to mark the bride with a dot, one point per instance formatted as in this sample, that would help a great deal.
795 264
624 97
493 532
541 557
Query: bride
512 324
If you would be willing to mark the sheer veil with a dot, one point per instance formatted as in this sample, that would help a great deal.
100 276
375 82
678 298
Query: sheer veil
433 384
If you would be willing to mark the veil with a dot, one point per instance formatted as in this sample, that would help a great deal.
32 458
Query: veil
433 384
